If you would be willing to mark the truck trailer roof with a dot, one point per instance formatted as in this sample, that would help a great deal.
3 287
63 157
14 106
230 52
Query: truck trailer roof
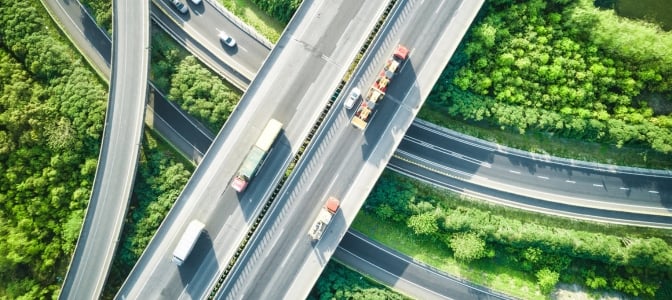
269 134
187 241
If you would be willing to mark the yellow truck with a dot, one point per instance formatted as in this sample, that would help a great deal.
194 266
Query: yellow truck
376 93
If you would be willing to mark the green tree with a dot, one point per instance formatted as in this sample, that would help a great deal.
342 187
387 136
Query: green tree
339 282
423 224
467 246
547 279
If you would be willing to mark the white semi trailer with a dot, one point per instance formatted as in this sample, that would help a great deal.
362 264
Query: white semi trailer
187 241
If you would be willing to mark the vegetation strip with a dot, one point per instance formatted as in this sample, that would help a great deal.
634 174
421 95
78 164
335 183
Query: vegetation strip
521 253
296 158
562 69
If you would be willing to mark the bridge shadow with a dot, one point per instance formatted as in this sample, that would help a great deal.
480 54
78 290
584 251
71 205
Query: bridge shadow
403 100
99 39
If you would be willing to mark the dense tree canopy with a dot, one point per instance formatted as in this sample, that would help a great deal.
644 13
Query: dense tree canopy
188 83
568 69
339 282
467 246
51 120
202 94
633 265
101 11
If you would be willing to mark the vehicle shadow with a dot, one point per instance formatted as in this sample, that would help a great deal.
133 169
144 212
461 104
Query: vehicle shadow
203 251
263 184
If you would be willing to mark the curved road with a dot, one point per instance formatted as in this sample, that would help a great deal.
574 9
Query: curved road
428 164
579 184
563 187
403 273
119 150
301 74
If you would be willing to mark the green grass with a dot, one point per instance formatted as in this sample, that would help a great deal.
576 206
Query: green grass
436 254
498 273
548 144
249 13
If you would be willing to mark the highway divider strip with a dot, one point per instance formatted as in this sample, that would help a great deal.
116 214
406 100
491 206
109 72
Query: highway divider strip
302 149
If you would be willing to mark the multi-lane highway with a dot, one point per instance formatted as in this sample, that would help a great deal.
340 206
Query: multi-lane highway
513 171
573 188
293 86
117 162
345 162
197 31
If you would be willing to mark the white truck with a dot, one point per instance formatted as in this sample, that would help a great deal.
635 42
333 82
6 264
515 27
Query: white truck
324 218
187 241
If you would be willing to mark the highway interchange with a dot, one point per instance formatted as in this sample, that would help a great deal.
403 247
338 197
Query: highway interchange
638 186
287 89
342 160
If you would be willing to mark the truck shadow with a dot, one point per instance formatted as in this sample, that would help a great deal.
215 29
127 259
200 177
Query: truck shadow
203 251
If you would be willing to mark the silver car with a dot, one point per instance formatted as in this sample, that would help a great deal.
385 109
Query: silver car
227 39
181 7
352 98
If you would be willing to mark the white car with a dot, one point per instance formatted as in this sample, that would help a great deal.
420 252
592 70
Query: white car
227 39
181 7
196 2
352 98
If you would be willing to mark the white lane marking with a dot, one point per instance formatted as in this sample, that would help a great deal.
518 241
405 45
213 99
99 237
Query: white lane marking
543 177
653 192
413 261
447 133
514 172
448 152
570 181
438 9
597 185
624 188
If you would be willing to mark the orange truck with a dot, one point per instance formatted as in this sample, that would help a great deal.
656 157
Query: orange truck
324 218
376 93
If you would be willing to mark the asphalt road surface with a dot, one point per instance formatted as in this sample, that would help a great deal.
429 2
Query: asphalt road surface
341 159
202 142
401 272
319 47
515 178
115 174
202 25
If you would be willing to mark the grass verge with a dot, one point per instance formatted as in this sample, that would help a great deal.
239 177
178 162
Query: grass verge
500 273
250 13
438 255
549 144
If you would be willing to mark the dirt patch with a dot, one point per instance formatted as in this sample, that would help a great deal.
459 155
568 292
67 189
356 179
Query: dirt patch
576 292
